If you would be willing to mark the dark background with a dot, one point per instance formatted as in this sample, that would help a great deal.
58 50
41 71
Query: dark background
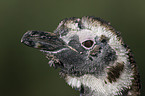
24 71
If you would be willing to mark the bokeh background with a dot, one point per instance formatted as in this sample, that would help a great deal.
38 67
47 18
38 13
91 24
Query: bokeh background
24 71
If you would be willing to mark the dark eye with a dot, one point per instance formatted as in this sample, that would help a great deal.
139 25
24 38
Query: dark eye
88 43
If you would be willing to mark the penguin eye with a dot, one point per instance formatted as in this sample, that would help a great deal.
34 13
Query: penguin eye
88 43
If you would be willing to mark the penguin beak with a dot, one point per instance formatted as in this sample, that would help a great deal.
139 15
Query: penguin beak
43 40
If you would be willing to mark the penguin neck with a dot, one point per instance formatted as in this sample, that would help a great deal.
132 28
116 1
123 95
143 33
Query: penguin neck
107 84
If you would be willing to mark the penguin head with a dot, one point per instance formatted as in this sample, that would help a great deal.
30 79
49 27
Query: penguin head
77 46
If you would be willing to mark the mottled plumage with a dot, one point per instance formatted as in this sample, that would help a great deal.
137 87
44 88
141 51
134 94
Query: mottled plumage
91 55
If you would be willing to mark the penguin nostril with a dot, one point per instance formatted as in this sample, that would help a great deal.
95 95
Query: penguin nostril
88 43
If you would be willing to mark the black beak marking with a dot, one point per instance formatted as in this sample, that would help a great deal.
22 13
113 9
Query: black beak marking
43 40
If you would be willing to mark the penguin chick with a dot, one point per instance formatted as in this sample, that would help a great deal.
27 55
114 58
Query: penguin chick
91 55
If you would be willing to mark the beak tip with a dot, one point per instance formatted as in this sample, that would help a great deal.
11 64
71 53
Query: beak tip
27 41
25 37
22 41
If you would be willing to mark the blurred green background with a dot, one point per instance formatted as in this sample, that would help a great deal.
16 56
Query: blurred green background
24 71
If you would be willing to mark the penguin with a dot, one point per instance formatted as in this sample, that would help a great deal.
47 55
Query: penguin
92 56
